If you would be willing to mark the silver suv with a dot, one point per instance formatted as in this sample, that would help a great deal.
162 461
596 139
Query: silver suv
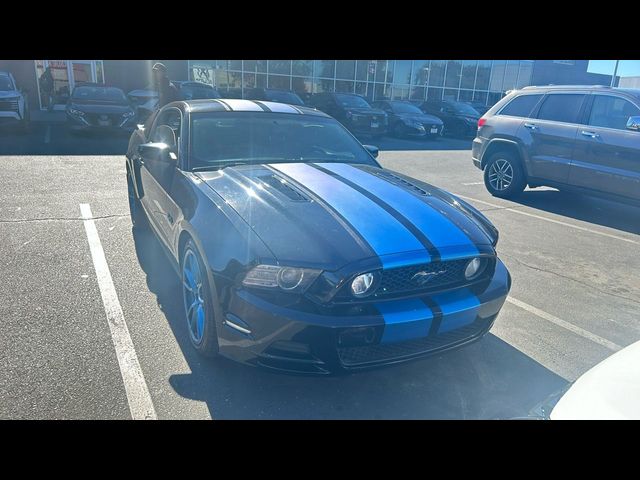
579 138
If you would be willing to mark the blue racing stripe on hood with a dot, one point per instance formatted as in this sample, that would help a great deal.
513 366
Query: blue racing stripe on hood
443 234
405 320
379 228
459 308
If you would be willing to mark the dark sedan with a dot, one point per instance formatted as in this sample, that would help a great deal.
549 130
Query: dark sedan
195 90
297 251
354 112
460 119
100 108
407 120
274 95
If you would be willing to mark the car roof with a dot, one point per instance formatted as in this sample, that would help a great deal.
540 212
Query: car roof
239 105
191 83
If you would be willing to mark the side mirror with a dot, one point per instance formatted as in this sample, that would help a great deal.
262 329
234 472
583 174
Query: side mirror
633 123
157 151
372 150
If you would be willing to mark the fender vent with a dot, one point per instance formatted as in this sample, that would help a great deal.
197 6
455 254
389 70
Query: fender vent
283 187
402 182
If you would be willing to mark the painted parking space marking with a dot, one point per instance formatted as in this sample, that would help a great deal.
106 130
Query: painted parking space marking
138 396
564 324
473 183
47 134
539 217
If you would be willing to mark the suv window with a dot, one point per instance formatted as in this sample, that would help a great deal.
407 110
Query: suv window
521 106
561 107
611 112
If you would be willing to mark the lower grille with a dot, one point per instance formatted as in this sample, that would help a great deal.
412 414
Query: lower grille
8 105
361 356
95 119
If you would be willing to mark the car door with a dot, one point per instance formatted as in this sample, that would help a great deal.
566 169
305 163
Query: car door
157 175
549 137
607 154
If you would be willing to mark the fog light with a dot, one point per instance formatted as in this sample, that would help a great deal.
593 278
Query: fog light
474 268
362 285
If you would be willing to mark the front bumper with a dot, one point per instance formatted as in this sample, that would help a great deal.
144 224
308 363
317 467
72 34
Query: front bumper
295 341
79 124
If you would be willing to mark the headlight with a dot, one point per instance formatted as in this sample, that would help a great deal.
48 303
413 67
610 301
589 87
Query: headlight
289 279
129 114
474 268
363 285
73 111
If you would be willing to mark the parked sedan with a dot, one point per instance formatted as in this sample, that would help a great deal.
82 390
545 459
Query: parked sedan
14 108
297 251
460 119
353 112
195 90
479 107
96 107
407 120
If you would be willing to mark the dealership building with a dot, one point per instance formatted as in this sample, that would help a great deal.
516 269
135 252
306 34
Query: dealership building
483 81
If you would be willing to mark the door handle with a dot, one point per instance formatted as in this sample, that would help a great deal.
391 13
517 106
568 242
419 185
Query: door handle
531 126
589 134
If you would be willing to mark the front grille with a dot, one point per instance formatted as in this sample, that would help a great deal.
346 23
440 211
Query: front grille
361 356
114 119
8 105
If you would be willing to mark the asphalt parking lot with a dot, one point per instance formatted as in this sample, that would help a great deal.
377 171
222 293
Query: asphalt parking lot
575 300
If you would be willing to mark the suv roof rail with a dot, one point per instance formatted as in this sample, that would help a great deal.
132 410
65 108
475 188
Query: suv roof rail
551 86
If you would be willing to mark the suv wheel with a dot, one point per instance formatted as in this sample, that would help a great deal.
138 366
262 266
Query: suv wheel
503 175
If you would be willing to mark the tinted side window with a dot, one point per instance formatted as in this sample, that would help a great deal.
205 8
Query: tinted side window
561 107
611 112
521 106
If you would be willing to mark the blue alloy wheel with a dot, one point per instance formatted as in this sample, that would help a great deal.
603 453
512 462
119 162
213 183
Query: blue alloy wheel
194 305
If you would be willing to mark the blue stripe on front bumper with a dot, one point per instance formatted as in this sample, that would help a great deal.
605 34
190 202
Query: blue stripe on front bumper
405 320
379 229
442 233
459 308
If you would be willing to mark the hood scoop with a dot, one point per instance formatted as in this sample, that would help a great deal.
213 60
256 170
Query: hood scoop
402 182
283 187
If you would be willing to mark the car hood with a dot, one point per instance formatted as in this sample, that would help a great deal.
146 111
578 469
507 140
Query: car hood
422 118
9 93
328 215
101 108
610 390
143 93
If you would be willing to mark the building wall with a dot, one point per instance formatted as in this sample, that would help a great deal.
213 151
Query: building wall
629 82
546 72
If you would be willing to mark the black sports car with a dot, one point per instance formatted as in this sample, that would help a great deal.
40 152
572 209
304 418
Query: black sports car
297 251
407 120
98 107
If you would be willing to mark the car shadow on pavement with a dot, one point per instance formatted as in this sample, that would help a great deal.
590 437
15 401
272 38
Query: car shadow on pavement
388 143
594 210
488 379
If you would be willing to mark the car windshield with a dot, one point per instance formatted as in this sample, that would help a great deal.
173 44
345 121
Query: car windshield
5 84
99 94
464 109
351 101
402 107
195 92
252 137
283 97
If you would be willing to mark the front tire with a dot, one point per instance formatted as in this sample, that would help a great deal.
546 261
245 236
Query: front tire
504 176
198 302
138 218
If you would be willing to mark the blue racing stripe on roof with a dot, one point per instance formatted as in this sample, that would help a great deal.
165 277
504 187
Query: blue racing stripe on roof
443 234
459 308
379 229
404 320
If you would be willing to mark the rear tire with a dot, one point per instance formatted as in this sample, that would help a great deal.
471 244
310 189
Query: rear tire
504 176
198 302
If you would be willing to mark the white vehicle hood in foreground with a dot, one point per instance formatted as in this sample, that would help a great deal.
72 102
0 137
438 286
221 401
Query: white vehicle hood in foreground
610 390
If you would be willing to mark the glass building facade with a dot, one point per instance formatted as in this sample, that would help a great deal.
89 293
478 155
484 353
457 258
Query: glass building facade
484 81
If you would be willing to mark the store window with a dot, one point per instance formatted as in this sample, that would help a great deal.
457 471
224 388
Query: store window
279 81
344 86
434 93
66 75
511 75
420 72
418 93
280 67
436 73
497 75
402 72
302 84
454 71
380 67
256 66
346 69
483 76
524 76
469 68
303 68
362 69
325 68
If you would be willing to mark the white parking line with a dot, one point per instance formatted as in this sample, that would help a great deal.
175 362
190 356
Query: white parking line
564 324
577 227
140 403
473 183
47 134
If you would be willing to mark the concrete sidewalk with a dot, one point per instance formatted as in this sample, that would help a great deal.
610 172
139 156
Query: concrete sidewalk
48 117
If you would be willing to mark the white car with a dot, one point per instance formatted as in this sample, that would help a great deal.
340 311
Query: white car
608 391
13 104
